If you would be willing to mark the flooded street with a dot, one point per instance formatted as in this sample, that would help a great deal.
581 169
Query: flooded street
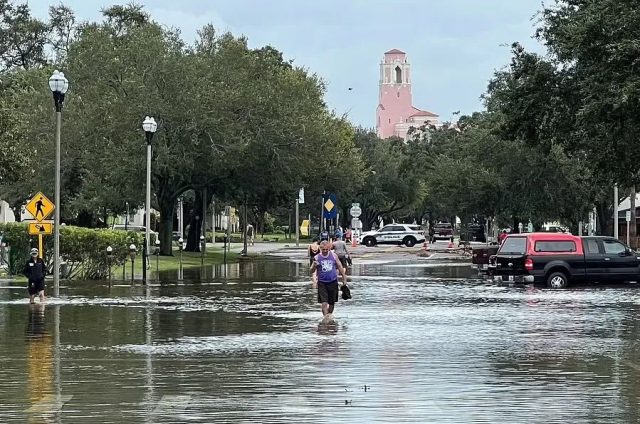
419 342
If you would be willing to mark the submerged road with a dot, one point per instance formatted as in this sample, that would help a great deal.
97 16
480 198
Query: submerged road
421 341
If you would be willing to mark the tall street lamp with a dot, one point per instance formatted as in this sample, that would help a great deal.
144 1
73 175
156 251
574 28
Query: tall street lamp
59 86
149 126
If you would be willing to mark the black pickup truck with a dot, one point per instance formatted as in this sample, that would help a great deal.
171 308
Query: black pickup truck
557 259
480 258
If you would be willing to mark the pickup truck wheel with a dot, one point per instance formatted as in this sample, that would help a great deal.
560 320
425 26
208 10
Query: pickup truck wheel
369 241
557 280
409 241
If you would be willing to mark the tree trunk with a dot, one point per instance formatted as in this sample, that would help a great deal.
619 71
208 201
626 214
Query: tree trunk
166 229
195 224
604 213
632 223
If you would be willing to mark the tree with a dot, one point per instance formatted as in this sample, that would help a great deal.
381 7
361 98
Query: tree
23 38
392 184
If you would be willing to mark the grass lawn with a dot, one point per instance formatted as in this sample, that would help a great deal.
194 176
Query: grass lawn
213 255
268 237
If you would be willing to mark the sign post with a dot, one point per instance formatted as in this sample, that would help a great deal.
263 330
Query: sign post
628 217
329 208
300 200
40 207
355 211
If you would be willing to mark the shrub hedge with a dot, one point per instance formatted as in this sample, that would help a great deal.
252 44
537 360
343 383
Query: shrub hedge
83 251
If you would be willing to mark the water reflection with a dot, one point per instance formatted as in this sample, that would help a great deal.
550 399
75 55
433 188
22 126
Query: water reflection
39 361
417 343
328 328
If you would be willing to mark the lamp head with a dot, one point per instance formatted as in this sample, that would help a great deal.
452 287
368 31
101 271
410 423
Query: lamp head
58 83
149 125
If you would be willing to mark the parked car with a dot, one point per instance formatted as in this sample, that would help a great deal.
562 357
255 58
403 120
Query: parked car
473 232
443 230
558 259
405 234
481 258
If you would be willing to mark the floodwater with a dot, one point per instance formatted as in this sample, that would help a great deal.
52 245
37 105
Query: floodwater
244 343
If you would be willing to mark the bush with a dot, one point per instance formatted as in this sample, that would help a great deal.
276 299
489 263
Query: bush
83 249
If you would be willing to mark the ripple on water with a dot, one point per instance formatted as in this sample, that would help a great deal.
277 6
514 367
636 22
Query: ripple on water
415 344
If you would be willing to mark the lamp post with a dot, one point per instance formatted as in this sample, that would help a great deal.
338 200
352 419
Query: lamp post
149 126
202 244
132 253
59 86
157 258
109 253
180 246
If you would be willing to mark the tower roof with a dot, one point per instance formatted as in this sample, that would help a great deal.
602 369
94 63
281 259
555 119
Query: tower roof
422 113
395 51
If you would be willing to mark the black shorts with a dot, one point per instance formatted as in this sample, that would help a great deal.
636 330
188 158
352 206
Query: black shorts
328 292
35 286
344 261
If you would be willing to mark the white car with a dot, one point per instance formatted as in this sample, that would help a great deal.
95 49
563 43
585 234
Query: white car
405 234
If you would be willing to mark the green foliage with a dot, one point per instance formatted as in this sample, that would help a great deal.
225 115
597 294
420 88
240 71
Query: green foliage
18 240
83 250
578 104
392 183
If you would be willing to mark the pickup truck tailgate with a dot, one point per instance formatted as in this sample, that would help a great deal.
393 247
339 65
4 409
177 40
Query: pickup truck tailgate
510 263
481 255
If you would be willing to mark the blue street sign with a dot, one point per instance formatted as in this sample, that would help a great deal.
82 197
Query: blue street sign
329 206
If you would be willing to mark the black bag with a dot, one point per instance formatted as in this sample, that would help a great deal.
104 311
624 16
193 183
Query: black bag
346 292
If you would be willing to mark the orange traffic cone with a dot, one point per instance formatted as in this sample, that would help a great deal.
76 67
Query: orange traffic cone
425 246
450 246
353 242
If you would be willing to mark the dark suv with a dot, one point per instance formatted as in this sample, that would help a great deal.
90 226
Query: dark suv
473 232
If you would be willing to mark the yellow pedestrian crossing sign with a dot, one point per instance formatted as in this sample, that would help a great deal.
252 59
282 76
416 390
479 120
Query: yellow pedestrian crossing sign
40 207
36 228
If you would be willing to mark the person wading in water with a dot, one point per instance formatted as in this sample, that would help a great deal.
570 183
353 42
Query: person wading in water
326 266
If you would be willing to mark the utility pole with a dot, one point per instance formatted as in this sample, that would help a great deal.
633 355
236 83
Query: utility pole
615 211
297 225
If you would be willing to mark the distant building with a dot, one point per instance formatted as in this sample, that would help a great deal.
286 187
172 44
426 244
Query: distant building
395 113
6 213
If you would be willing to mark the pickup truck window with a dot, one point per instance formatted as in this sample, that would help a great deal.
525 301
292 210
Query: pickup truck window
555 246
612 247
591 246
515 245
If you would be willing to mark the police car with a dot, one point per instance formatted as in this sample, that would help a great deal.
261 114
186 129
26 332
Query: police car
405 234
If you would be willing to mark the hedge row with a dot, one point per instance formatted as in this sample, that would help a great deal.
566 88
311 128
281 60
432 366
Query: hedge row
83 251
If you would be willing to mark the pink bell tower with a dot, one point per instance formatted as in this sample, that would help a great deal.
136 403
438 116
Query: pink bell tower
396 116
395 104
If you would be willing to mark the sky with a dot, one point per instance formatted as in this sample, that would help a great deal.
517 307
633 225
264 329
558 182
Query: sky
454 46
